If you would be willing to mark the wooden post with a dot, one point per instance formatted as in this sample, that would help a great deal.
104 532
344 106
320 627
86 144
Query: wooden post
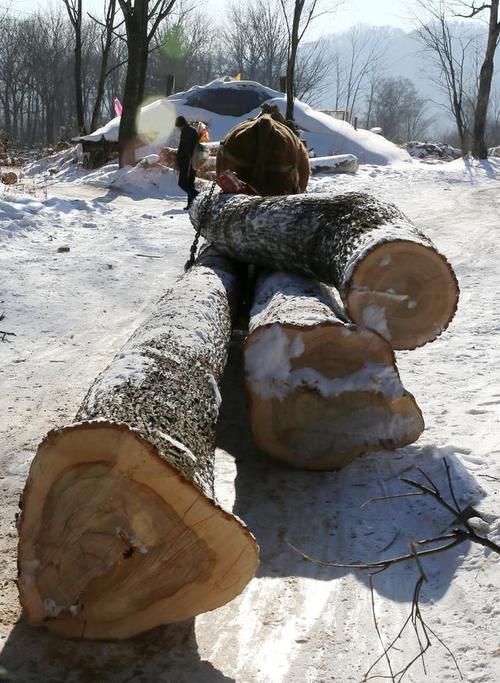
283 83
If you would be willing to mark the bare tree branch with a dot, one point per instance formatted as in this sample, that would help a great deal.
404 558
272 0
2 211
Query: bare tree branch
416 619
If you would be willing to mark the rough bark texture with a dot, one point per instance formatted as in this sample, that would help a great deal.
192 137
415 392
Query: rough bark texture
119 530
390 276
321 391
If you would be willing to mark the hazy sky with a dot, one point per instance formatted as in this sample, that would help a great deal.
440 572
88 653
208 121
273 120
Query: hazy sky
377 12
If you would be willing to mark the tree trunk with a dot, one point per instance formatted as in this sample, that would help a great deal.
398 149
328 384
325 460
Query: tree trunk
96 112
479 146
80 118
120 530
390 276
106 51
137 45
321 391
132 98
49 122
292 57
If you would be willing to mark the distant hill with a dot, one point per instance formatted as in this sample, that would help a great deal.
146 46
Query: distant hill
403 55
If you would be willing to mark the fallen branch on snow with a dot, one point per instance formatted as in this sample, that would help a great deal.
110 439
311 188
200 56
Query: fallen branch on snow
461 534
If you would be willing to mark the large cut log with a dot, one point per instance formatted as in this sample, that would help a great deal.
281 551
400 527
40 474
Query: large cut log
390 276
120 530
321 391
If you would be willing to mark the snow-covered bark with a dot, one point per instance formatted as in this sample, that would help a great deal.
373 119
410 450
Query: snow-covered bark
389 274
340 163
321 391
131 535
164 381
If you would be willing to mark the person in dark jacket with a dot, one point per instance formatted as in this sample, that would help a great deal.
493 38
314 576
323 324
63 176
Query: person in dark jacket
187 144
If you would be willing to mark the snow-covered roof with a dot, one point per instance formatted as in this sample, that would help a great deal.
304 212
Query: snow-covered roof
223 103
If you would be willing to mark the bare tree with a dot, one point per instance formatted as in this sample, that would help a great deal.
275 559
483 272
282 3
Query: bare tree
187 49
9 70
75 14
357 55
267 24
255 41
449 53
298 16
398 109
493 127
36 65
47 44
311 71
142 19
107 38
479 146
374 79
365 51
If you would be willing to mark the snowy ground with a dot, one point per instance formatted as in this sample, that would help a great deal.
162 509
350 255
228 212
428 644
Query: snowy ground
296 622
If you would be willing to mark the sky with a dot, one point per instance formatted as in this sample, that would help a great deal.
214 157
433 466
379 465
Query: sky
380 13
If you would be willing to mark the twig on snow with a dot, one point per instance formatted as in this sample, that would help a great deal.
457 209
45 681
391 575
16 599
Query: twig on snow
461 534
489 476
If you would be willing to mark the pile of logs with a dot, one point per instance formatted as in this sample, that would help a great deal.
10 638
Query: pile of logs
357 280
119 529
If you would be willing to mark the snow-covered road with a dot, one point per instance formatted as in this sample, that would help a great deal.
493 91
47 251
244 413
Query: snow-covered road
297 621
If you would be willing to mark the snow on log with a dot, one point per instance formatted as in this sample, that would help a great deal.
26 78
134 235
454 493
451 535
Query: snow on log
119 530
390 276
340 163
321 391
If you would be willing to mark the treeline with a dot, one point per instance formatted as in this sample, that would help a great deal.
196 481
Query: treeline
37 63
352 73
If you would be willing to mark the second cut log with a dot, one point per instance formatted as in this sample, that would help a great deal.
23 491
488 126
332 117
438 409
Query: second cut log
321 391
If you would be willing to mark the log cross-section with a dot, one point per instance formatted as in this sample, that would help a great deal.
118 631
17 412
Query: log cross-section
390 276
321 391
120 530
